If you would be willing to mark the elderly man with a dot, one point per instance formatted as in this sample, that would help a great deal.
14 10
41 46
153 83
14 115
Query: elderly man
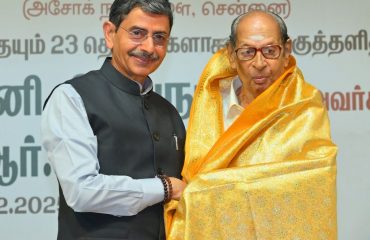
260 163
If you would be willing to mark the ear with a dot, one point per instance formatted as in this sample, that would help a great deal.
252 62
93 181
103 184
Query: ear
109 30
287 51
232 55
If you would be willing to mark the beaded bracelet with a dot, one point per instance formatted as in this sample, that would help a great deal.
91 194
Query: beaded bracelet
167 185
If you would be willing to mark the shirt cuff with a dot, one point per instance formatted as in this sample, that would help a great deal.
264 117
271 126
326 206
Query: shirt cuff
153 191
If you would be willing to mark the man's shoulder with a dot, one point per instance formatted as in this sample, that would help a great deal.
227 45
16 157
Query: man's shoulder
89 76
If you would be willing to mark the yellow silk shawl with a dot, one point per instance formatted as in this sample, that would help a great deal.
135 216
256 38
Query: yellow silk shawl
270 175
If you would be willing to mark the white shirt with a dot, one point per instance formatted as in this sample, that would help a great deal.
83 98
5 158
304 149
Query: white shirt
72 151
230 103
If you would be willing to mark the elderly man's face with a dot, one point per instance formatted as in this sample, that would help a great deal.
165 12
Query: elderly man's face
259 30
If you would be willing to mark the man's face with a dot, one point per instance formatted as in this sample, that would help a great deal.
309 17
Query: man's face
257 74
137 59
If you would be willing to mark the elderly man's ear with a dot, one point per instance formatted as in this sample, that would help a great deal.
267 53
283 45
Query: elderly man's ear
287 51
231 54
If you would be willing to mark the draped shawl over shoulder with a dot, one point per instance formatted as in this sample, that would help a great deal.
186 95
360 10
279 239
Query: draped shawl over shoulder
270 175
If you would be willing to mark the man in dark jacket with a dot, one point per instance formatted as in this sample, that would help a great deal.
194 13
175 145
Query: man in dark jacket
116 146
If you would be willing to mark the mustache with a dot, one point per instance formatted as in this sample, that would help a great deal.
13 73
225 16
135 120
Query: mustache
144 54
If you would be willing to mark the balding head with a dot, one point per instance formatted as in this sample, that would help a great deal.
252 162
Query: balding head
279 21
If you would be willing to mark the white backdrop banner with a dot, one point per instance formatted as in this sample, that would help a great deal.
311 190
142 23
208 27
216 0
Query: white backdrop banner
46 42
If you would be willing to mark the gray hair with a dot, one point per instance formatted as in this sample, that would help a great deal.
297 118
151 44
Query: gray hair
283 28
121 8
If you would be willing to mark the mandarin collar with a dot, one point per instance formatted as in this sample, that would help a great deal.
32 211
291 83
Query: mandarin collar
124 83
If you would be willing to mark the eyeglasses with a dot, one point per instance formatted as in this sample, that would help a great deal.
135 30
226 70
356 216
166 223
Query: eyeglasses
248 53
138 36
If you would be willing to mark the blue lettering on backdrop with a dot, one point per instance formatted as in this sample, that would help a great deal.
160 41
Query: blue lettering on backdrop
29 159
11 97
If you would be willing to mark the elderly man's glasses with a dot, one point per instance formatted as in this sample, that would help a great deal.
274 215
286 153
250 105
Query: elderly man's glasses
248 53
138 36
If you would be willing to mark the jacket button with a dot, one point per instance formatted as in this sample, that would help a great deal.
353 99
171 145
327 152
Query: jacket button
156 136
146 105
